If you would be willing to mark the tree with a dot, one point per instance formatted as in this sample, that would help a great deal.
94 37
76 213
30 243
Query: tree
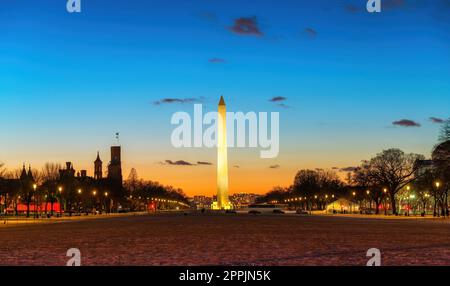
318 186
441 162
393 169
133 181
50 171
445 131
362 177
275 194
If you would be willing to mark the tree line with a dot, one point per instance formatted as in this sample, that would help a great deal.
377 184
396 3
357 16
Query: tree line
390 178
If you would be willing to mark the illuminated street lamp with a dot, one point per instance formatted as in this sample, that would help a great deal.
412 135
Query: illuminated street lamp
60 189
35 200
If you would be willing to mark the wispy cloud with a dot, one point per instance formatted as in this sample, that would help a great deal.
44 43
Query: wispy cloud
217 61
311 32
185 163
437 120
178 163
274 166
280 101
177 100
246 26
406 123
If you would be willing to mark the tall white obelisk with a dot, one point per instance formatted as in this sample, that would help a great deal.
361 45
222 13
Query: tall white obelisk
223 201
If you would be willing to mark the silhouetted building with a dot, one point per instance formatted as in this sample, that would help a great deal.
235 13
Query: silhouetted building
115 166
98 167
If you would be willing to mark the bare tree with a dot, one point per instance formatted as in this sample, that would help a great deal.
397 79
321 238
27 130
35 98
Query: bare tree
445 131
363 178
393 169
50 171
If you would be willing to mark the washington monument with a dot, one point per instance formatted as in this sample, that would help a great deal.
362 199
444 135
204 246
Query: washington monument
223 201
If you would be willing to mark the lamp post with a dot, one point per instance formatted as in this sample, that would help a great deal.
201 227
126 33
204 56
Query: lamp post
435 202
94 193
60 189
106 202
35 201
408 197
80 191
385 199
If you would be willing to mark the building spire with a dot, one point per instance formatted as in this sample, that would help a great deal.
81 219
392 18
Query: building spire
222 101
98 157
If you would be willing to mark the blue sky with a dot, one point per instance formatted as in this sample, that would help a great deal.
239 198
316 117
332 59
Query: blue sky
68 82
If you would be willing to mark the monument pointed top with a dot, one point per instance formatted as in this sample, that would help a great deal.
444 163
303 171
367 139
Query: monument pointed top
222 101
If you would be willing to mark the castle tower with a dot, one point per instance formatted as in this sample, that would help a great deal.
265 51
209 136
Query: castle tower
115 166
223 201
98 167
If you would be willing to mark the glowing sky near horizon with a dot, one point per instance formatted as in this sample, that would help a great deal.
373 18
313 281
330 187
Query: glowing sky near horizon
68 82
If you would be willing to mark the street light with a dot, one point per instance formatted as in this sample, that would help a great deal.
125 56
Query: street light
35 200
438 184
60 189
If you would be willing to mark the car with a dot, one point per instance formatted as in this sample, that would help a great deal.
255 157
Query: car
254 212
278 212
302 212
230 211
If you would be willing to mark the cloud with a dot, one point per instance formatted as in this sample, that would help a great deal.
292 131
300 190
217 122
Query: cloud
179 163
278 99
406 123
217 61
311 32
236 166
246 26
437 120
349 169
274 166
177 100
184 163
